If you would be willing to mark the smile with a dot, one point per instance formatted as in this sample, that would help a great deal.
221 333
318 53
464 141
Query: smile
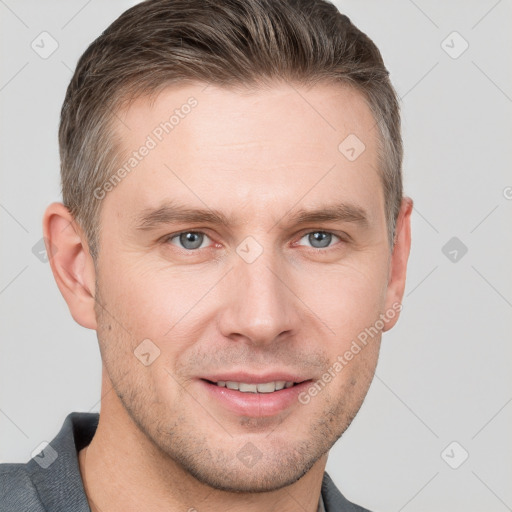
254 399
265 387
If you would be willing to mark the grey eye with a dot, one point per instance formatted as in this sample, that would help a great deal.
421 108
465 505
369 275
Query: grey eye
190 240
319 239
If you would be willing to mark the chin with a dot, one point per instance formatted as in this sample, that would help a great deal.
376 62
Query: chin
270 476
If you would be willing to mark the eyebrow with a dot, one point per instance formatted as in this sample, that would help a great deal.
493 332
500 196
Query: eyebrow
172 212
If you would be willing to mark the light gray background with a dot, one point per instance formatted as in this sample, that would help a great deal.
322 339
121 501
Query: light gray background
444 372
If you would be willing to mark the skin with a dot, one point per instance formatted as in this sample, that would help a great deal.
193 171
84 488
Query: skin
257 156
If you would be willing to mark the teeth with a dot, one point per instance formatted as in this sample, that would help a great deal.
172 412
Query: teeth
266 387
280 384
247 388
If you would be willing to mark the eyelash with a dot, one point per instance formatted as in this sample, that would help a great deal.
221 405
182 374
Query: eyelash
342 238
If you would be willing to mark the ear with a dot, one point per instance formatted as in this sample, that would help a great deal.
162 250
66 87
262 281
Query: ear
398 262
71 263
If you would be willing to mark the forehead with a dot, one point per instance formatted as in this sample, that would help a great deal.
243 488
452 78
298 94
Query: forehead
223 116
228 148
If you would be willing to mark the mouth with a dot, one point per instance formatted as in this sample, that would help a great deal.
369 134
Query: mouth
246 387
245 397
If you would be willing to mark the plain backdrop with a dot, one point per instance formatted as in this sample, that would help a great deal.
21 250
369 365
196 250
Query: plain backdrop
443 387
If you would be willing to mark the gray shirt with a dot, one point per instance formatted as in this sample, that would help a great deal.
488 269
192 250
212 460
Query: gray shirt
51 481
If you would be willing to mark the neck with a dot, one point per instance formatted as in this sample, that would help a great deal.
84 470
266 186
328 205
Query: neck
123 470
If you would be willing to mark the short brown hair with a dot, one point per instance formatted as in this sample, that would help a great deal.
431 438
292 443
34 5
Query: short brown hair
224 42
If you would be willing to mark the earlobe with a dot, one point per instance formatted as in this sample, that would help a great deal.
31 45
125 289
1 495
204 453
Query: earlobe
71 263
398 263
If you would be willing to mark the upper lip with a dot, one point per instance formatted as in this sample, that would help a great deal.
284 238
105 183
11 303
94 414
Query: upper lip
253 378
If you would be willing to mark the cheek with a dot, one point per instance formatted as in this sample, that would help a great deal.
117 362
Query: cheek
348 300
166 306
150 300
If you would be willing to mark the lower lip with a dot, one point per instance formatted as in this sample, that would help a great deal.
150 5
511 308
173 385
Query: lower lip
255 404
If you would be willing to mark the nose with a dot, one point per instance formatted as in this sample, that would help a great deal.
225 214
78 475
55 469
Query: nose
258 304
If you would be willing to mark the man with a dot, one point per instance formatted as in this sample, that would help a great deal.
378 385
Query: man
233 227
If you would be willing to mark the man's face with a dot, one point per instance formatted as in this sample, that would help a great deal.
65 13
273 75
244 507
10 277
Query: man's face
262 296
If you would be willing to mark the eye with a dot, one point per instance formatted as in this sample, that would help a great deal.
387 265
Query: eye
193 240
319 239
189 240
